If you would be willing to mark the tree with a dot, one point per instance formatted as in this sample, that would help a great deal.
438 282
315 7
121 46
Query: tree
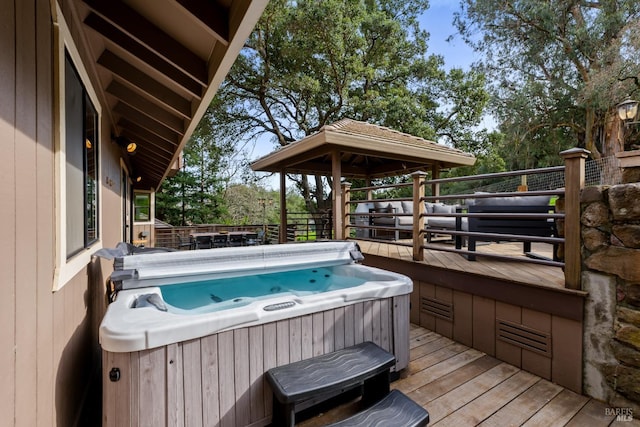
311 63
618 78
541 55
195 194
250 204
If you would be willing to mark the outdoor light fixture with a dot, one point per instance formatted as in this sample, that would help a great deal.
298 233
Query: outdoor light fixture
627 111
127 144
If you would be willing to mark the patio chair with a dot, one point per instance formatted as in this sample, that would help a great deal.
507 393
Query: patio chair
220 240
235 239
203 242
187 242
250 239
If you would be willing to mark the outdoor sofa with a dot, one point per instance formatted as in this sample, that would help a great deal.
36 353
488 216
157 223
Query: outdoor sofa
400 217
540 227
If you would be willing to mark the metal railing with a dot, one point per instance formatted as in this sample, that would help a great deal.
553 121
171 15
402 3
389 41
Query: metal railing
376 222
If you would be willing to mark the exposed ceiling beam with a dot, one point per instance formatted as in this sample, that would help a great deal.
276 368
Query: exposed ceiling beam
399 166
145 83
138 50
146 175
150 157
145 161
138 132
133 99
129 115
213 16
325 168
144 32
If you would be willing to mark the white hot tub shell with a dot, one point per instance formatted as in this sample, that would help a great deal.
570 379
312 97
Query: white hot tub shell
167 368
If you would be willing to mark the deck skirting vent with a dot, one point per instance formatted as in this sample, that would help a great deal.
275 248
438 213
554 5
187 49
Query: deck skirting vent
524 337
437 307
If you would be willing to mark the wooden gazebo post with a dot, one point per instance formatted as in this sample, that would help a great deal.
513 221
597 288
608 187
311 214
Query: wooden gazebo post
283 207
435 174
338 214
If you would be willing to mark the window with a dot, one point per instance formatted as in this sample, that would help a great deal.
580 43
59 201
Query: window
77 159
142 207
81 169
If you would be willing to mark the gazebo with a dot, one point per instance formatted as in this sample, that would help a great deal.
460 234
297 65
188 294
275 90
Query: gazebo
350 148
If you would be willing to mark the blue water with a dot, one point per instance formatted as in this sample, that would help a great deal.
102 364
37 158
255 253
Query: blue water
237 291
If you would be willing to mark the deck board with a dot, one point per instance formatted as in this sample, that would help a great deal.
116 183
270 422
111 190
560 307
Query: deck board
529 273
460 386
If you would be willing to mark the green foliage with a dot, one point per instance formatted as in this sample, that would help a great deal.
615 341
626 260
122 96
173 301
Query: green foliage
249 204
488 161
542 58
311 63
252 204
194 194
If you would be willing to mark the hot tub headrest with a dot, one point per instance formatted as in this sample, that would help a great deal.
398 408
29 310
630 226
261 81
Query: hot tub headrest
356 253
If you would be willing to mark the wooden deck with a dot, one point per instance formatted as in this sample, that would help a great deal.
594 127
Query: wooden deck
460 386
534 274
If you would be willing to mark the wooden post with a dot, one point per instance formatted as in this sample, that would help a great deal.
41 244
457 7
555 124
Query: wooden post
418 210
574 160
283 206
367 183
523 184
346 209
338 213
435 174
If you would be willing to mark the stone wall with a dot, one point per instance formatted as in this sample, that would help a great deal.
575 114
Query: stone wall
611 274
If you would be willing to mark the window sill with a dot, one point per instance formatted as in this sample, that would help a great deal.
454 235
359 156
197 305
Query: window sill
68 269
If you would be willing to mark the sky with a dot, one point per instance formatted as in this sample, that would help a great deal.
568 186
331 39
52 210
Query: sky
438 21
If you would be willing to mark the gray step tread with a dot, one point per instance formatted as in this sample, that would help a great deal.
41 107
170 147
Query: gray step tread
332 371
396 409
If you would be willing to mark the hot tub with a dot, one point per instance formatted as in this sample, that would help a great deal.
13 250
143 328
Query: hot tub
191 333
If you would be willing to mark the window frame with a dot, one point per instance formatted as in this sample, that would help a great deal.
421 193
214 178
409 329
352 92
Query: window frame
68 266
151 195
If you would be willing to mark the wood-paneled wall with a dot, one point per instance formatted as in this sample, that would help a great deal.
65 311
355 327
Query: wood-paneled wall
474 322
217 380
48 341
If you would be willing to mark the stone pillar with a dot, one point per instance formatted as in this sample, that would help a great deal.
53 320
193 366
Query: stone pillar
610 231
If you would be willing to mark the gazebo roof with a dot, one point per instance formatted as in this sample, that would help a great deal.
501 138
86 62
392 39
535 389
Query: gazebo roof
365 150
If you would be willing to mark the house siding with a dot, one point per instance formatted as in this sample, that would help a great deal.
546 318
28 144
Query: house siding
48 340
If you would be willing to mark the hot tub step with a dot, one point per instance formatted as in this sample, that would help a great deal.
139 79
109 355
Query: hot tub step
295 384
396 409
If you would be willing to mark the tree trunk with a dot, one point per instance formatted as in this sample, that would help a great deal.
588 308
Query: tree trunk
590 132
612 142
613 135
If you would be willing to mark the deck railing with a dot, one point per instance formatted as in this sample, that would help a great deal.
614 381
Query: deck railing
171 237
301 226
565 214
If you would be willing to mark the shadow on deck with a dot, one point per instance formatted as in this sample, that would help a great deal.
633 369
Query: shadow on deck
460 386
